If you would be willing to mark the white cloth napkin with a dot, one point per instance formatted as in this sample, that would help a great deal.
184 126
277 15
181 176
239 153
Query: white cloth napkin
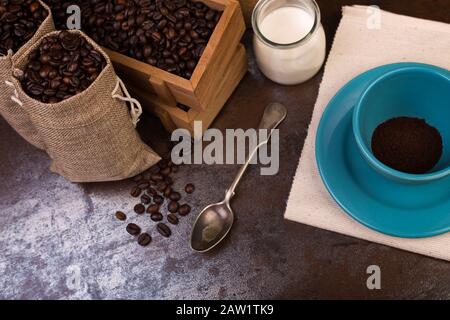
359 46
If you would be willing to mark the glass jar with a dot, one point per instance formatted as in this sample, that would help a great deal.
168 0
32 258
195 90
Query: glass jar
289 40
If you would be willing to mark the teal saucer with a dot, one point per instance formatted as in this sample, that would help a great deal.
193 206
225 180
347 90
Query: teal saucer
392 208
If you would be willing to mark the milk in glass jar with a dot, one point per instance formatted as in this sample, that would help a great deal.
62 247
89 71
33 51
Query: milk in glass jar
289 40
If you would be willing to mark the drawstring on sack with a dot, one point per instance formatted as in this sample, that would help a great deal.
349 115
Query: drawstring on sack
14 97
8 55
135 108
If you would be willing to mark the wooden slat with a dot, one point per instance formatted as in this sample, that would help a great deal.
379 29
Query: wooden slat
162 91
208 87
234 75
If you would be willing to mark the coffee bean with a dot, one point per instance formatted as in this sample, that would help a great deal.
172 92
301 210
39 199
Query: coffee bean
143 184
152 192
173 219
153 208
184 210
173 206
139 208
133 229
158 199
157 217
166 171
190 188
164 230
19 20
161 186
175 196
168 181
144 239
145 199
136 192
121 216
156 32
67 63
168 191
157 177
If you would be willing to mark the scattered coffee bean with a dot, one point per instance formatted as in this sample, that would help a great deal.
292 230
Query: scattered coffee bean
136 192
173 219
166 171
175 196
139 208
157 217
161 186
168 181
143 184
68 65
121 216
133 229
157 177
145 199
184 210
168 192
164 230
190 188
158 199
153 208
152 192
173 207
144 239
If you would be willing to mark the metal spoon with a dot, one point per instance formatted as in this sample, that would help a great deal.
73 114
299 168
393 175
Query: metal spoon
215 221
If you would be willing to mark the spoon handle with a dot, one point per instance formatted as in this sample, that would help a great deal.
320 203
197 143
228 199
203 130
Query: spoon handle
273 116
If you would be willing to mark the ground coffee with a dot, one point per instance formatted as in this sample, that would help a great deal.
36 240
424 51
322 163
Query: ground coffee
407 144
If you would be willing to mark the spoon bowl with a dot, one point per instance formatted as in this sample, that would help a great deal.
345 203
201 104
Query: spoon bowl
212 226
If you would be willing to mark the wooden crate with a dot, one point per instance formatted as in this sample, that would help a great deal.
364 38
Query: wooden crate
247 8
173 117
201 89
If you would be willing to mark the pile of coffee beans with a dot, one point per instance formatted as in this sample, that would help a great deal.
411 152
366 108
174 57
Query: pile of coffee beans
19 21
158 199
168 34
63 65
407 144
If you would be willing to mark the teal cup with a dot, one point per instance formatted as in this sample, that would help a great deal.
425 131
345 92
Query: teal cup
422 92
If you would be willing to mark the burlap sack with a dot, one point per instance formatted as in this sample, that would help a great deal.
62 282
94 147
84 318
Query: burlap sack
14 113
91 137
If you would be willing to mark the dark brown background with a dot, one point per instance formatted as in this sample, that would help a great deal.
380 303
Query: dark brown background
427 9
48 224
336 264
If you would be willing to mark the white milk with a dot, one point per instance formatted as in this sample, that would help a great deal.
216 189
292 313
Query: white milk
296 63
286 25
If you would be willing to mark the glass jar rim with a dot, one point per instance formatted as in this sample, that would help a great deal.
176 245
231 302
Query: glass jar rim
273 44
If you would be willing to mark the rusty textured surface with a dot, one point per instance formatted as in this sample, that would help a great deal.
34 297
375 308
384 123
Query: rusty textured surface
60 240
